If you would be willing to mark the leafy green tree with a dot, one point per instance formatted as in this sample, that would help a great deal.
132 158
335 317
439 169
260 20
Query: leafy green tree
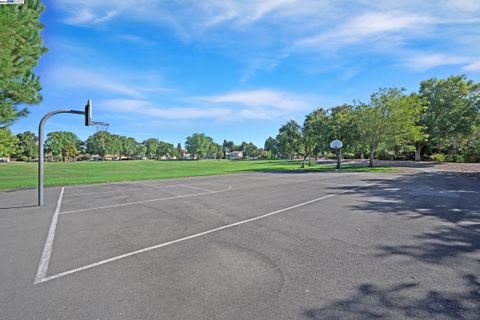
316 133
99 143
151 146
27 146
241 147
391 117
251 150
228 145
198 145
452 108
20 49
57 141
8 142
69 150
165 149
344 127
140 150
116 145
215 151
270 145
266 154
290 139
179 151
129 147
472 145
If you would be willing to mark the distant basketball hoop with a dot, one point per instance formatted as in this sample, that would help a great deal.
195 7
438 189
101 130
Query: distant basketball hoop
337 146
101 126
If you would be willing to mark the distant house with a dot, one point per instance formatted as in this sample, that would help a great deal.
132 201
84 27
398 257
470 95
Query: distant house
235 155
187 156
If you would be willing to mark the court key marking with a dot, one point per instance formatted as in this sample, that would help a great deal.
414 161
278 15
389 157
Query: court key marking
41 276
152 200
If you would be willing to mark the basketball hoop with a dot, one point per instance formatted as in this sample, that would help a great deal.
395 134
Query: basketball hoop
101 126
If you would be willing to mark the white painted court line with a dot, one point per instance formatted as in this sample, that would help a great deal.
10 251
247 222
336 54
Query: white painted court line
196 188
47 249
193 236
267 177
125 190
147 201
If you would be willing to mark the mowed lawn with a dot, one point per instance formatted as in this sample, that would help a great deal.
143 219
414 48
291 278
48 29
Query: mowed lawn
24 175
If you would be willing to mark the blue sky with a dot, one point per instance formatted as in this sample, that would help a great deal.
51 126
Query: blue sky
237 70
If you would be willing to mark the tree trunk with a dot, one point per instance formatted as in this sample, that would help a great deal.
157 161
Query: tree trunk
303 161
372 152
418 149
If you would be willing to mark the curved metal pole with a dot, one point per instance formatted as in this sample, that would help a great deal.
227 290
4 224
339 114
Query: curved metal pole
40 149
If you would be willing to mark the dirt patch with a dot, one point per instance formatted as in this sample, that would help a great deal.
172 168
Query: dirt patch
470 169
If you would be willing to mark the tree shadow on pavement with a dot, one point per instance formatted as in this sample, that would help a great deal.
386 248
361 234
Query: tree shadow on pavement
452 200
397 302
449 207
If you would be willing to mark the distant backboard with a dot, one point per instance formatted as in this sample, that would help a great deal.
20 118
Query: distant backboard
336 144
88 113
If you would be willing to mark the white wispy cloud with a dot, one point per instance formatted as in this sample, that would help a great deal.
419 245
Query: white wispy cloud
86 16
259 32
84 78
144 107
464 5
76 77
253 105
473 67
135 39
365 27
263 98
423 62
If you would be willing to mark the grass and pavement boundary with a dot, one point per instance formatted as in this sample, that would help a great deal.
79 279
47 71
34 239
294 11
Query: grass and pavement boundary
24 175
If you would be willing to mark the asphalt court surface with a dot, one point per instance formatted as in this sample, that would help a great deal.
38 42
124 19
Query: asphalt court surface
245 246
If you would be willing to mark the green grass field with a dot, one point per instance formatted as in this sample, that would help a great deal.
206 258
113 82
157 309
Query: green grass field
24 175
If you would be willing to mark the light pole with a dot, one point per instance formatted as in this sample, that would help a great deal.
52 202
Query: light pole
87 113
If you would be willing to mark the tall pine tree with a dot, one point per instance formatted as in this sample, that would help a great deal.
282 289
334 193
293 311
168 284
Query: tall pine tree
20 49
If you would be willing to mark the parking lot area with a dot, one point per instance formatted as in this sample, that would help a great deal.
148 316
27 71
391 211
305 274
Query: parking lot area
245 246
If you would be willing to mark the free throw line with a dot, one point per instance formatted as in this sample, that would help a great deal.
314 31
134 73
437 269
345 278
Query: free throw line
47 248
147 201
193 236
124 190
196 188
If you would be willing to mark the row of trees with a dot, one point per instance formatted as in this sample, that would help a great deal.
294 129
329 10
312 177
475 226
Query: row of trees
23 146
62 145
440 122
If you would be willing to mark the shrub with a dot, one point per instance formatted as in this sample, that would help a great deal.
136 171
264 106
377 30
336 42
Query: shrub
331 155
385 155
438 157
472 154
348 155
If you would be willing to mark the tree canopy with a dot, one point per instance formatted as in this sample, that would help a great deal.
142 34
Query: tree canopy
390 117
20 50
62 144
198 145
7 142
26 147
452 107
